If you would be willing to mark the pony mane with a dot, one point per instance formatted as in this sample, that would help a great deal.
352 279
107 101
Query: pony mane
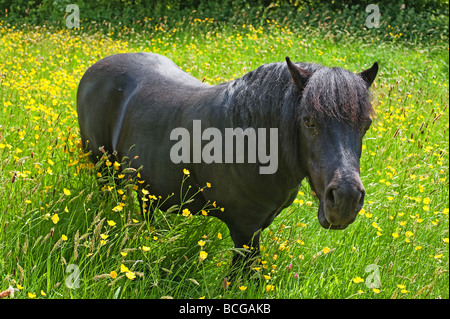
338 94
264 96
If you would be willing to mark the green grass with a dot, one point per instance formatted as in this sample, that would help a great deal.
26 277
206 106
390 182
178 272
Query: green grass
403 229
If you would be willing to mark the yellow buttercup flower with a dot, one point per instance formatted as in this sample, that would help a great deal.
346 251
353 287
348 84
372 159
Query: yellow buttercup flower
270 288
117 208
186 212
55 218
357 280
130 275
111 223
201 243
203 255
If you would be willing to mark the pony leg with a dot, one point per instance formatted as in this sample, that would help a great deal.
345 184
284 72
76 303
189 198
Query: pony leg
248 254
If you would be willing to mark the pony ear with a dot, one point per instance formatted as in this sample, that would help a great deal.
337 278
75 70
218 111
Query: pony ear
299 75
370 74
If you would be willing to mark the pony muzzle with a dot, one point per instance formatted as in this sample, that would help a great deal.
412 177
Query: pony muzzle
340 204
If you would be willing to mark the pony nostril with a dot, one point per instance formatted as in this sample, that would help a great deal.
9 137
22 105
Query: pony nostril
330 196
342 203
361 199
336 197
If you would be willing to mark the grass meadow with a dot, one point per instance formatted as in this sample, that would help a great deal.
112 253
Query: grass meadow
61 236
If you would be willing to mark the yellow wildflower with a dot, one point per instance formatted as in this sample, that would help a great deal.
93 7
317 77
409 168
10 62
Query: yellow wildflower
130 275
203 255
124 268
201 243
117 208
270 288
55 218
357 280
186 212
111 223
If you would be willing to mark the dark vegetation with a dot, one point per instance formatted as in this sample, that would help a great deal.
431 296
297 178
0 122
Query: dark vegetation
413 21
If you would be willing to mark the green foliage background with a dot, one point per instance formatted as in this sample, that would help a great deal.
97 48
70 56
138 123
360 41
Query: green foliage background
416 20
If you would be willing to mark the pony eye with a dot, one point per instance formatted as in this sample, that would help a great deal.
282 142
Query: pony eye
308 123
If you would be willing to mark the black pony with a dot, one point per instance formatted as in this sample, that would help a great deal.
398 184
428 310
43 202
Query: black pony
131 105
